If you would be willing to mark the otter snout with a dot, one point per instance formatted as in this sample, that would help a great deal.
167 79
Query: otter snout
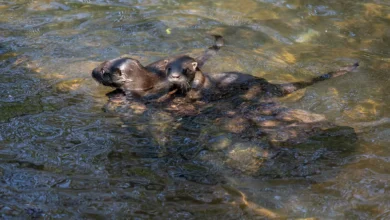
175 75
97 75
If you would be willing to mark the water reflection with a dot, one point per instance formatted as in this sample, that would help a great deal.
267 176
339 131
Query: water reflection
62 156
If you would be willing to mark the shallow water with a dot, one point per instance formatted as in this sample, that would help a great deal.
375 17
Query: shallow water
65 153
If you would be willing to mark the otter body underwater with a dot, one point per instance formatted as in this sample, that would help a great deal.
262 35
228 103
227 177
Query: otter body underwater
182 75
186 76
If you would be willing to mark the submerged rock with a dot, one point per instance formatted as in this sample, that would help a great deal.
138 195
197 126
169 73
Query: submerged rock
260 138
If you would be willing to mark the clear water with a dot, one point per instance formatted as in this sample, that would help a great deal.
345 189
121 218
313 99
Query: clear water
65 154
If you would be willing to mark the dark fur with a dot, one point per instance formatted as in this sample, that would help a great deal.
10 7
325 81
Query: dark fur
133 78
185 75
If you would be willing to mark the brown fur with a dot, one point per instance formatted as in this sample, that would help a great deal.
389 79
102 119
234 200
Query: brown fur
184 74
130 76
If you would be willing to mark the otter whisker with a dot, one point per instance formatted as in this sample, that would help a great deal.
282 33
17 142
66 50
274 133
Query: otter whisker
188 86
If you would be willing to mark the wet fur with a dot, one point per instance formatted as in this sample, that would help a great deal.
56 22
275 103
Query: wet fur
198 85
130 76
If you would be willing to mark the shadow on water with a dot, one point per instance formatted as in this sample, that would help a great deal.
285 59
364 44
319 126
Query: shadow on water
62 156
244 135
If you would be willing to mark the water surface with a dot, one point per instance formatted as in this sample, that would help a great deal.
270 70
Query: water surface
65 154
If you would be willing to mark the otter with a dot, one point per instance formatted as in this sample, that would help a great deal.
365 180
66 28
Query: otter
130 76
185 74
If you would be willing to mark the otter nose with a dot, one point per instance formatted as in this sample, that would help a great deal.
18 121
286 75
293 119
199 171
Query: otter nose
175 75
97 74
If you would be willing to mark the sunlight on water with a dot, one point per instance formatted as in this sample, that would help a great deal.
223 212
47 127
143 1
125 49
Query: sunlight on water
322 152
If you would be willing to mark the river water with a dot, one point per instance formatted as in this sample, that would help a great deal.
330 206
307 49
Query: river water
65 153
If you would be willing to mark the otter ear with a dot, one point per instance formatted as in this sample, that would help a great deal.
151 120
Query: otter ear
194 65
166 61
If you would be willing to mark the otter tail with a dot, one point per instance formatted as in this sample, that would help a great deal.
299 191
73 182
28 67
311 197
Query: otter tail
288 88
211 51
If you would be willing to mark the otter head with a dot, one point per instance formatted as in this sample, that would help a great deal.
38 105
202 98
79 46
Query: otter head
108 76
181 71
116 72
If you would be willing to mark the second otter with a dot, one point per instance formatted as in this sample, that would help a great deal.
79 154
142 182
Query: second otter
184 74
